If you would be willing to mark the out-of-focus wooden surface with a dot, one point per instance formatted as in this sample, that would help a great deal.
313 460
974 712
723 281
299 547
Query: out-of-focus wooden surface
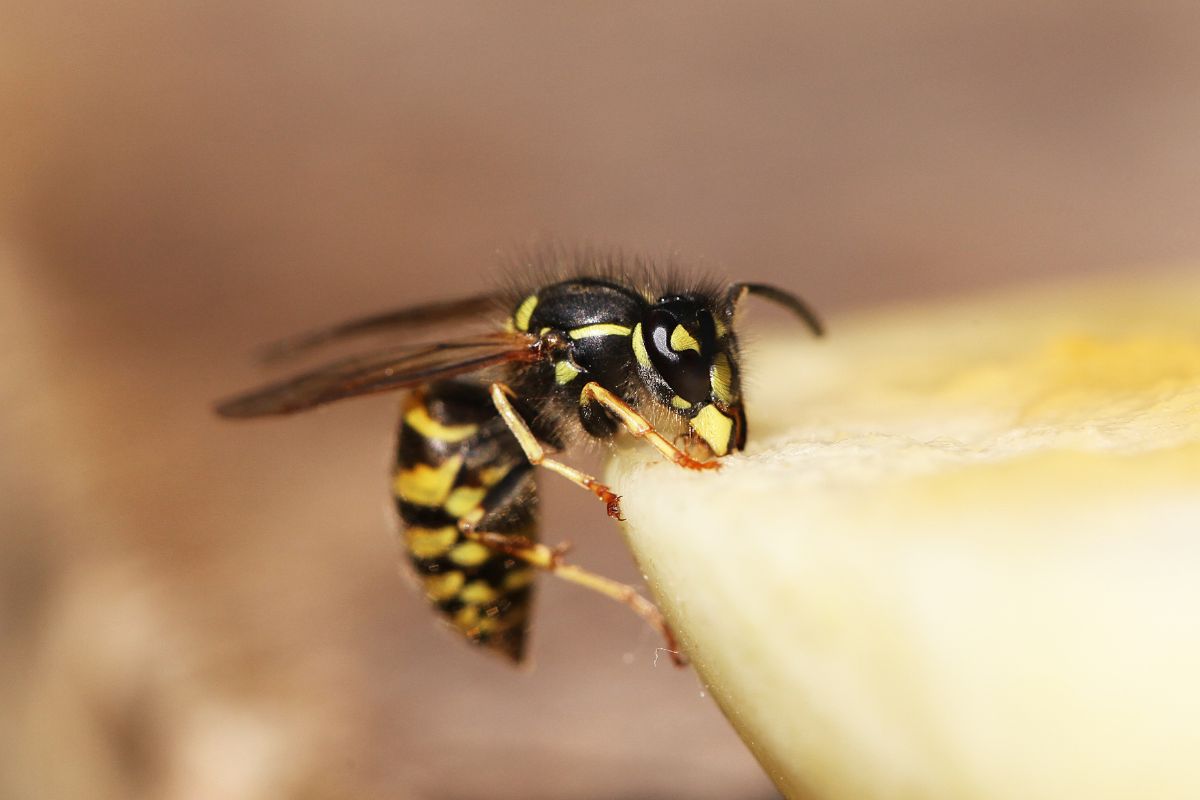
201 609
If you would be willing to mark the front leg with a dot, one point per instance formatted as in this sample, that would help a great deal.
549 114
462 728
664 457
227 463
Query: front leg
640 427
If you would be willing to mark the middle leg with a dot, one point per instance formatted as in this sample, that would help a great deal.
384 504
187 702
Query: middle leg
536 454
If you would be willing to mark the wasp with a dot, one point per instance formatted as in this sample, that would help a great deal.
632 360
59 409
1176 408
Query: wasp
570 358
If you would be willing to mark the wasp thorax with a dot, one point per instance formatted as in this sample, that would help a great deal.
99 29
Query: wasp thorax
680 341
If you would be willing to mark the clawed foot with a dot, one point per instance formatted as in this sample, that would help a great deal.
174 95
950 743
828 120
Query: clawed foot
613 505
612 500
687 462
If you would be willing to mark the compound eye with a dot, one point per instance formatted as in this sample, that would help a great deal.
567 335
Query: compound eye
682 354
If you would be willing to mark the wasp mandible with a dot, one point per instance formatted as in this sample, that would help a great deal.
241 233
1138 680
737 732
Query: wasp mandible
570 358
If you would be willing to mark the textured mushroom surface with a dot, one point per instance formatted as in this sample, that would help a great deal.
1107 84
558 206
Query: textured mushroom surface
960 557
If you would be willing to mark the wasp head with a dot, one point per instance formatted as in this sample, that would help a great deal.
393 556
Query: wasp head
687 358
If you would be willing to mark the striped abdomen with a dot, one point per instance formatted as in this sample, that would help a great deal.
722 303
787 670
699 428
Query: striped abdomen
454 455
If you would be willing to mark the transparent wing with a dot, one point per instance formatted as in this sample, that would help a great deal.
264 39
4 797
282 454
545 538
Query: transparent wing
401 319
382 371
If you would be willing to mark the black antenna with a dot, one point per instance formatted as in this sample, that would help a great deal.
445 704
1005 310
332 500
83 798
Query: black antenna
778 296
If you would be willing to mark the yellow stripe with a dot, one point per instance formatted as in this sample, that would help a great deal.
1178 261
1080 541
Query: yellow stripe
714 428
431 543
467 619
721 378
565 372
424 485
524 312
462 500
680 403
474 518
719 324
419 420
478 593
639 346
600 329
490 476
518 579
682 340
470 554
444 586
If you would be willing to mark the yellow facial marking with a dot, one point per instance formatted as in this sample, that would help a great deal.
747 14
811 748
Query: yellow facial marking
524 312
517 579
419 420
714 428
682 340
639 346
721 378
424 485
680 403
470 554
600 329
431 543
463 499
565 372
444 586
478 593
721 328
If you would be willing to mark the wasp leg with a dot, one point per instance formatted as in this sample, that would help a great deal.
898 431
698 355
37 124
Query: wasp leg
550 559
640 427
537 454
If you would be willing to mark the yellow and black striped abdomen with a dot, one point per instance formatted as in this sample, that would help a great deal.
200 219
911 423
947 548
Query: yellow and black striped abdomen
455 456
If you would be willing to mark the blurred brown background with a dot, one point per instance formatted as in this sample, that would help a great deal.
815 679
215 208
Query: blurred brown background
192 609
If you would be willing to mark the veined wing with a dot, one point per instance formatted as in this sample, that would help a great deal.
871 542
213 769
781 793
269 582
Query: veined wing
400 319
382 371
